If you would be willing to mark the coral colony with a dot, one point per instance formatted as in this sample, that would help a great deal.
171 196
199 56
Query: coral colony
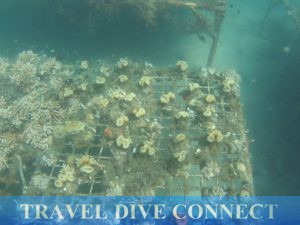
120 129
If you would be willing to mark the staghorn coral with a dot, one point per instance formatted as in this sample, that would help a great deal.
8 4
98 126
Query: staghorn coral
4 112
7 145
32 107
31 70
50 111
25 70
20 110
28 57
38 135
50 66
24 74
56 83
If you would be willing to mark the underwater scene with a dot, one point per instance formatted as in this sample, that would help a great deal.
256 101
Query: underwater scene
149 97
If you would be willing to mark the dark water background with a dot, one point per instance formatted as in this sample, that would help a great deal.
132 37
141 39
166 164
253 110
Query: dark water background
270 76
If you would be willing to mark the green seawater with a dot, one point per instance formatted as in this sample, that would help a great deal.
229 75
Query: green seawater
264 52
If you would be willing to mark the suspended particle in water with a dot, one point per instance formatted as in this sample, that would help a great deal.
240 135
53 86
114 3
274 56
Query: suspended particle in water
286 49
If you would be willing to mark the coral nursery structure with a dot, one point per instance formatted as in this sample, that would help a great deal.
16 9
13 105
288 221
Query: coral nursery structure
121 129
202 17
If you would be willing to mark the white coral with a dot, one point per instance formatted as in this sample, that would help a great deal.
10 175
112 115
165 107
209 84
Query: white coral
3 66
38 135
7 144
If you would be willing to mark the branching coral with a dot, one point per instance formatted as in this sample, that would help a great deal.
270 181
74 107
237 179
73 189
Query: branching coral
20 110
50 66
38 135
24 74
7 144
25 70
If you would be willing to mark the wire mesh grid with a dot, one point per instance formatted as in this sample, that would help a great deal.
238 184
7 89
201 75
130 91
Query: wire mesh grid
215 173
133 130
